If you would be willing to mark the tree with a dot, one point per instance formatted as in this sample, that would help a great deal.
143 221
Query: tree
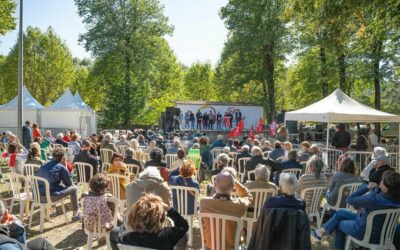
48 66
7 20
127 33
257 40
199 82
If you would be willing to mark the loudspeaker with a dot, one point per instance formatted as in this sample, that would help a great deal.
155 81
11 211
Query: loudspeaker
292 127
177 111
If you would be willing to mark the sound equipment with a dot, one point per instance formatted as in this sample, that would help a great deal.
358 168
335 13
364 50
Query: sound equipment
169 114
162 121
292 127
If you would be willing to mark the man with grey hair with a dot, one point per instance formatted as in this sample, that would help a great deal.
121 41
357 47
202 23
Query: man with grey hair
107 143
244 154
122 141
222 161
173 149
288 185
223 203
129 157
218 143
61 141
257 158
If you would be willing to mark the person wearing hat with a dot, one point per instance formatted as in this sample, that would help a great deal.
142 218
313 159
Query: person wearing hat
85 157
367 170
381 166
118 167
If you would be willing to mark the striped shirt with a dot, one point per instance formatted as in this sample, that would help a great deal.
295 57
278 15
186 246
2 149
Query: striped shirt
309 180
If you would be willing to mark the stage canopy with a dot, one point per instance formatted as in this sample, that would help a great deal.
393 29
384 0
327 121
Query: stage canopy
70 112
338 107
9 111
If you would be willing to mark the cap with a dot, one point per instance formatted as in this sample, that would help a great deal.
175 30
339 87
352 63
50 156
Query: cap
85 143
383 158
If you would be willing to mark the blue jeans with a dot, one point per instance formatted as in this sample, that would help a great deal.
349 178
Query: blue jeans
343 222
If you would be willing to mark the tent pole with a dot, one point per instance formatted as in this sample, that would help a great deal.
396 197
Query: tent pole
327 135
398 157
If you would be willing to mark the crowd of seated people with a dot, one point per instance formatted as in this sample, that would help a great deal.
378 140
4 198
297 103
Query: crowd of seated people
151 205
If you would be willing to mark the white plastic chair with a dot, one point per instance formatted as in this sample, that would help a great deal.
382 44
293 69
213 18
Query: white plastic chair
251 175
260 195
34 184
315 202
105 156
296 171
146 157
217 224
122 149
182 194
349 189
127 247
215 152
22 197
387 232
100 231
241 167
30 169
133 169
170 158
80 167
116 189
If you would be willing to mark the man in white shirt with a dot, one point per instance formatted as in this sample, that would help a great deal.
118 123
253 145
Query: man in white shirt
373 138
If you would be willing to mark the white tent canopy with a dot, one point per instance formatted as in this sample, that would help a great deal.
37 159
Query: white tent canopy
70 113
338 107
8 111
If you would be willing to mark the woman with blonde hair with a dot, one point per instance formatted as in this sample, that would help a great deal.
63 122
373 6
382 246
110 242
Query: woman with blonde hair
146 220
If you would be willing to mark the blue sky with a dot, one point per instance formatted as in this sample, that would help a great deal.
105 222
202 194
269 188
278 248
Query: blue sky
199 33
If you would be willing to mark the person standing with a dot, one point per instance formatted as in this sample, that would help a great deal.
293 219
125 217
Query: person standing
187 119
230 119
219 120
199 115
205 120
341 139
191 120
373 138
211 120
26 134
35 131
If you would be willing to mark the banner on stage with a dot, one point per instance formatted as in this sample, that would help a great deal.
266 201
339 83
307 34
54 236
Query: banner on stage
250 114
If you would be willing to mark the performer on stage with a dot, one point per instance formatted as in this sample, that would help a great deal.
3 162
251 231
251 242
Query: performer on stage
227 122
219 120
206 118
212 120
187 119
230 119
198 117
191 115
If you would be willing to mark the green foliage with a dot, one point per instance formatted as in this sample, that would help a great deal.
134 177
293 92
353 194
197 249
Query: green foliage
7 21
199 82
48 67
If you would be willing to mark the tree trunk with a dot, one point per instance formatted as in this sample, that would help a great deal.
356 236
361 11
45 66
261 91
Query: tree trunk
342 72
126 95
324 72
377 52
269 77
265 98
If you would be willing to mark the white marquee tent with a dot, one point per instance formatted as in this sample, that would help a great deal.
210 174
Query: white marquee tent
9 111
70 112
338 107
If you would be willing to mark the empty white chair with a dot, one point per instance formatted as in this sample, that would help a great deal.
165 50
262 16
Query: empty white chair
182 194
251 175
23 197
217 224
241 167
347 189
99 231
387 232
313 208
30 169
296 171
127 247
260 195
105 156
80 168
133 169
44 206
170 158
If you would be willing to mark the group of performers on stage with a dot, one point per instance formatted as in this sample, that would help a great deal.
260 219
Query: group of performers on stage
207 120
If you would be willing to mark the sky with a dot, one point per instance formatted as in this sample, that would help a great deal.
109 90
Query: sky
199 33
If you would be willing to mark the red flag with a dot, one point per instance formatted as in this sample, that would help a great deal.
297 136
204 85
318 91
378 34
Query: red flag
240 125
252 132
235 132
260 126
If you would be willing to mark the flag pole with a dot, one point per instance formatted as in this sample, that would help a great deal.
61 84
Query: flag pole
20 71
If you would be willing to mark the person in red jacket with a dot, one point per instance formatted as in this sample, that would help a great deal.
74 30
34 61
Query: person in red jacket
36 131
67 137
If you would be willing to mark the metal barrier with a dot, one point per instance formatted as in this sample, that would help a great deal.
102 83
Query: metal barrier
394 161
330 157
360 159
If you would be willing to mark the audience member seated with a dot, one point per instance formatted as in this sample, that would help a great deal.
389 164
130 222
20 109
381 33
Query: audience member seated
257 158
181 157
173 149
11 155
95 207
160 144
314 150
237 145
369 199
49 137
223 203
60 140
34 155
56 173
287 146
13 234
244 154
67 136
182 176
312 178
118 167
277 152
85 157
156 157
129 154
381 166
346 175
107 143
152 145
266 146
378 151
262 175
205 153
222 162
304 153
122 141
44 144
218 143
288 184
137 149
229 144
142 141
147 219
35 131
291 162
149 181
